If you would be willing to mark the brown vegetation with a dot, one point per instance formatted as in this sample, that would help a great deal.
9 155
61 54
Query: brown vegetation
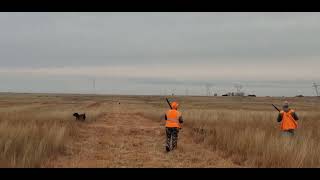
245 130
40 131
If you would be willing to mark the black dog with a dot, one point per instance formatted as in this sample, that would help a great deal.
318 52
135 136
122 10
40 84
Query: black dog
80 117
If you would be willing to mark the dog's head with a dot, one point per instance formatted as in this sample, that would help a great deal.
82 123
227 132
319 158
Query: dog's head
76 114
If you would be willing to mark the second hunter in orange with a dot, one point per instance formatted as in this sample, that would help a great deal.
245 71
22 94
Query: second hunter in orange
288 119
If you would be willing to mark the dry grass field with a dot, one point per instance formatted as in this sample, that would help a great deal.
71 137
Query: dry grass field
38 130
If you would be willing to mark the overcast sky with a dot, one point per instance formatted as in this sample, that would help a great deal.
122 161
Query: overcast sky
157 53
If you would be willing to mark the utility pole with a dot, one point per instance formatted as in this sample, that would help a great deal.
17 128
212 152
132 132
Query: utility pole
238 87
94 85
208 89
316 88
173 91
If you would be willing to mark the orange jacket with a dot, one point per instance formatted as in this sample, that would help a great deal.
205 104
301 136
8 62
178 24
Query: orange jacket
288 121
173 117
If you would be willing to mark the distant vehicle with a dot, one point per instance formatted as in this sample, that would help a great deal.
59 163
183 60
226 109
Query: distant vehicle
252 95
300 95
225 95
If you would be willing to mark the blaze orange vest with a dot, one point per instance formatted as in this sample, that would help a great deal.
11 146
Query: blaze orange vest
173 118
288 121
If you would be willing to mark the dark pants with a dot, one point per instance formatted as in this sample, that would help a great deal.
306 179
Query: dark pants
288 133
172 137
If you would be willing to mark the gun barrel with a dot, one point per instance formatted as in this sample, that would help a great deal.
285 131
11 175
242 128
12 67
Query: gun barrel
168 103
275 107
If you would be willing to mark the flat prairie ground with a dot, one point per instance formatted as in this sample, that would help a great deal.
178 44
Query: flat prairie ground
38 130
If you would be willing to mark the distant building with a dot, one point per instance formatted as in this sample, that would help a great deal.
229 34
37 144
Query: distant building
234 94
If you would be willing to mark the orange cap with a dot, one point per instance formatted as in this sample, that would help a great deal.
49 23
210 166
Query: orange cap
174 105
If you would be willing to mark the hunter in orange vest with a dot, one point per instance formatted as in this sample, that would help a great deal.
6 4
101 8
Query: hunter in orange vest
173 120
288 119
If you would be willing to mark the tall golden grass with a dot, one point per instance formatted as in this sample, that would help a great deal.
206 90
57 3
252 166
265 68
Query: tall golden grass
254 138
31 134
26 139
242 129
247 131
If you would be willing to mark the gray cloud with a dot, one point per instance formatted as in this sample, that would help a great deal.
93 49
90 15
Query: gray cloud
149 46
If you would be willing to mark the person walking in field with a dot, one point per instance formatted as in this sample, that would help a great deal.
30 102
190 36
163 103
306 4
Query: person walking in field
288 119
173 124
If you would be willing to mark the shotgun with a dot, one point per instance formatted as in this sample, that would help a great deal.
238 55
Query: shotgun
168 103
275 107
